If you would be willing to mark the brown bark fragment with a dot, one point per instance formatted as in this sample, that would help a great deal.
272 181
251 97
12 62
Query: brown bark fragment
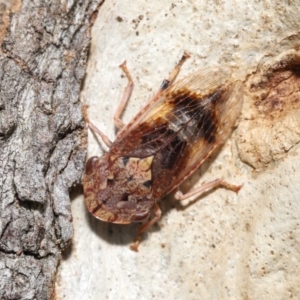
42 138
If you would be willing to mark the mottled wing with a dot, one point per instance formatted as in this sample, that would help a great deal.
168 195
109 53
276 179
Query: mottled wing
201 81
182 127
213 124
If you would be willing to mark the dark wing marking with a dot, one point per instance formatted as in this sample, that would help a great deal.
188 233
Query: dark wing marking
182 127
201 82
214 123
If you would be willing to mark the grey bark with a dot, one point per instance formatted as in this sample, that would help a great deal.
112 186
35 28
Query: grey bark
42 139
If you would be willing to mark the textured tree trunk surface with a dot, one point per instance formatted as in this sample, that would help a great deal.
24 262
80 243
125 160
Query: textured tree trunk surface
43 56
222 245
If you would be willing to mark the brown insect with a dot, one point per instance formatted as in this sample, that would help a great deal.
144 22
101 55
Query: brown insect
176 131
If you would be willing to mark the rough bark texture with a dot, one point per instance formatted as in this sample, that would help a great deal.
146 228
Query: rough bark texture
222 245
42 138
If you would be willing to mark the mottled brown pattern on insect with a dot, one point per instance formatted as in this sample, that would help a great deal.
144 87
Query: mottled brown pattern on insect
168 140
117 187
198 119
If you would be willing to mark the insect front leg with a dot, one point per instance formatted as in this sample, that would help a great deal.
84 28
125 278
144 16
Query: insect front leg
204 187
144 227
94 129
118 122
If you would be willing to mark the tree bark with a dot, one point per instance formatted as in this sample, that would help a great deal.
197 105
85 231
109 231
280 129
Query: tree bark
43 56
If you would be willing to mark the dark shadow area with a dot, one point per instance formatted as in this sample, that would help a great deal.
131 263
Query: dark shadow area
117 234
67 252
76 191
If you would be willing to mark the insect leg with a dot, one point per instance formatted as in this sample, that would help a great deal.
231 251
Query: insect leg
209 185
93 128
118 122
167 82
144 227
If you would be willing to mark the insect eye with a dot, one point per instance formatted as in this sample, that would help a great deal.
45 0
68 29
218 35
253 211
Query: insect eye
90 165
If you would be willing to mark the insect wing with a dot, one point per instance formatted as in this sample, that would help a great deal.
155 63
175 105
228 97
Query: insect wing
213 125
200 81
182 126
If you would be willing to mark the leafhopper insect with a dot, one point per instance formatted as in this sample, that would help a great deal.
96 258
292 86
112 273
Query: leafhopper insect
175 132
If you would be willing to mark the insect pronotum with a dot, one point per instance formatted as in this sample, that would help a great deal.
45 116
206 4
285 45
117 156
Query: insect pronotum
175 132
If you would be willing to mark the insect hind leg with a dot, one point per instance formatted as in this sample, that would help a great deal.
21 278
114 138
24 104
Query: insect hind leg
206 186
